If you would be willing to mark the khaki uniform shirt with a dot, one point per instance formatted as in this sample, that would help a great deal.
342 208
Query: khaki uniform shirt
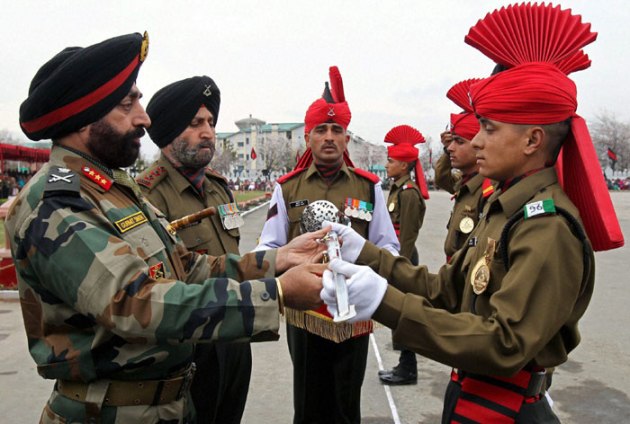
176 197
406 210
526 315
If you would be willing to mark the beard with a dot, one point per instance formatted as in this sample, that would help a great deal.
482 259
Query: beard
192 157
112 148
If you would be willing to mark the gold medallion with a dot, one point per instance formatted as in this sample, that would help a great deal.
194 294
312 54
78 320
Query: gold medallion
391 207
466 225
480 275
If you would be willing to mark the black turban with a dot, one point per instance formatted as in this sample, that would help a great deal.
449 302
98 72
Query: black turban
79 86
173 107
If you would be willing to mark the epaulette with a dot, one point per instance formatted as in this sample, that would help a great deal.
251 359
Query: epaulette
211 173
365 174
62 182
407 186
487 188
286 177
151 176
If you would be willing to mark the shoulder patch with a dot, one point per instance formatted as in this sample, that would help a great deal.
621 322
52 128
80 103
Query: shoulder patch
539 208
62 181
151 176
367 175
487 188
211 173
286 177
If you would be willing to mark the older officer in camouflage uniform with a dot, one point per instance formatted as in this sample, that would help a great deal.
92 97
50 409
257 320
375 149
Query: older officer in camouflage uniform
183 116
103 283
470 190
507 306
329 358
406 207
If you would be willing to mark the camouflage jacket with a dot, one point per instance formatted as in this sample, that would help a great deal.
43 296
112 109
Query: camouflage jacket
104 286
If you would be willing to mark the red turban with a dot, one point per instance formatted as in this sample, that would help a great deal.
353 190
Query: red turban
465 125
403 152
321 112
403 138
532 93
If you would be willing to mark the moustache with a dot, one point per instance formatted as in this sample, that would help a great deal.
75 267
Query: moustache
136 133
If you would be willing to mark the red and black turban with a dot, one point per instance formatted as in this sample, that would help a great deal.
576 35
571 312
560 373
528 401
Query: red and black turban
79 86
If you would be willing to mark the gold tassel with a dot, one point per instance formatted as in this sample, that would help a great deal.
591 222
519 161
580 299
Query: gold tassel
325 327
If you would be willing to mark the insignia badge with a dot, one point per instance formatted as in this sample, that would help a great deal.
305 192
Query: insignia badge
207 92
132 221
391 207
97 177
466 225
480 275
157 271
53 178
144 48
331 112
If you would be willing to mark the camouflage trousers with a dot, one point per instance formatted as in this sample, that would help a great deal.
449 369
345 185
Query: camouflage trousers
62 410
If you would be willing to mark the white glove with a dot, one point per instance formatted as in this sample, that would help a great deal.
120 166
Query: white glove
352 242
365 289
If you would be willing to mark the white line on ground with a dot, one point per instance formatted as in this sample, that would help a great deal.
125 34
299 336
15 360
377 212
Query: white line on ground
388 392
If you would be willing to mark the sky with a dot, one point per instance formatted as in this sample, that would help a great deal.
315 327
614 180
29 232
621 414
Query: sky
270 58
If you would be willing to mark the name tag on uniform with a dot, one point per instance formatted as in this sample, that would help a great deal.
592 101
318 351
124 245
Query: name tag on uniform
131 221
298 203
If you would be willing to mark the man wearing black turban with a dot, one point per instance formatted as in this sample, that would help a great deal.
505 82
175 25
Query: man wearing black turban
113 303
183 116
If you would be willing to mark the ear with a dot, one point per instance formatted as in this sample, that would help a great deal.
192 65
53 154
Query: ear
307 140
535 140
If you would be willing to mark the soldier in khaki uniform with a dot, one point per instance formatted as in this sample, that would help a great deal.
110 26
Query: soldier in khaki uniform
328 358
183 117
507 306
406 207
470 190
112 300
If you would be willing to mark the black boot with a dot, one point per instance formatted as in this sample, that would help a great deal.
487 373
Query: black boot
404 373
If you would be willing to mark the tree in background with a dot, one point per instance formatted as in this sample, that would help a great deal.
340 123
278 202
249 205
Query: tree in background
276 154
612 139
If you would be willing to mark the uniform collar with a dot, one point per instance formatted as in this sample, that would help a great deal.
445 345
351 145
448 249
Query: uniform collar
312 170
523 191
401 180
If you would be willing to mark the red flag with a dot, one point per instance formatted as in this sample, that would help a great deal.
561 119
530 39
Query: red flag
612 155
253 154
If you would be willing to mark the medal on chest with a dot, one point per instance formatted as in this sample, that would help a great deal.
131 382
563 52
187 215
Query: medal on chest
360 209
230 217
480 275
466 225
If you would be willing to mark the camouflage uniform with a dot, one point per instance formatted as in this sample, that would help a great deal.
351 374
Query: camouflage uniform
104 294
219 389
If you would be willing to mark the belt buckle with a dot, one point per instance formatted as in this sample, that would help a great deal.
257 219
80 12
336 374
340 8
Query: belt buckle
188 377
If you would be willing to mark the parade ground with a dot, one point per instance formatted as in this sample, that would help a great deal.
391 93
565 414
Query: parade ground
592 387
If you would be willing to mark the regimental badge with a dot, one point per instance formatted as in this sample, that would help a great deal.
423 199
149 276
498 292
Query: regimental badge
480 275
391 207
207 92
466 225
144 48
331 111
157 271
61 175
